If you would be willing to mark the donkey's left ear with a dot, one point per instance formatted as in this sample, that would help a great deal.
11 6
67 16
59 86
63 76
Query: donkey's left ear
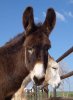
50 20
28 20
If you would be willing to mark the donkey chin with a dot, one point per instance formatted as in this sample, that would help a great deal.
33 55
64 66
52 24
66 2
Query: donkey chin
38 75
55 83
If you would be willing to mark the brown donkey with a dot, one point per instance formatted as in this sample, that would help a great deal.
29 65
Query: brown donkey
27 53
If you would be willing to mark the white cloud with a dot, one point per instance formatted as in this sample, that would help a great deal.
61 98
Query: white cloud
44 14
69 14
36 18
60 16
71 1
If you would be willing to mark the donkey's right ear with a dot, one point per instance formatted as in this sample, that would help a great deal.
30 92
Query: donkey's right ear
50 20
28 20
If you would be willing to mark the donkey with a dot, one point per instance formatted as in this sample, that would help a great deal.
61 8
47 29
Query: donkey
27 53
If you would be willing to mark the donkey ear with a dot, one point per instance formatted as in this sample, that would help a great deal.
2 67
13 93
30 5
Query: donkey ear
28 20
50 20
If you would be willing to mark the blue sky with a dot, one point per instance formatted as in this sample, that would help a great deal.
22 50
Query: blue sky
61 37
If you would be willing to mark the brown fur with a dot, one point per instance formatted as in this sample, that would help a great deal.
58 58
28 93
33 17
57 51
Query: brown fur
14 64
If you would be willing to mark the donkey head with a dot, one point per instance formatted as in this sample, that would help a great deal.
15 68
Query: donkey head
37 43
52 76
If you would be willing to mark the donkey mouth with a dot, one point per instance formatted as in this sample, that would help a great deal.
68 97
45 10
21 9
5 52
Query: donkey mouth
38 81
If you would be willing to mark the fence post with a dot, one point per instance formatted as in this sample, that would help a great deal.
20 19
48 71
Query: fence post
54 92
65 54
46 92
35 92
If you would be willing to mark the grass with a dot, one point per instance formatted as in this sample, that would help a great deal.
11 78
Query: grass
65 94
41 96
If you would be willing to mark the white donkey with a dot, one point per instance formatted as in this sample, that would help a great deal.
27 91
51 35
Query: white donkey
52 77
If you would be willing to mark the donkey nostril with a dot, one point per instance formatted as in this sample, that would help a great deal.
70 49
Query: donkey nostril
38 81
35 79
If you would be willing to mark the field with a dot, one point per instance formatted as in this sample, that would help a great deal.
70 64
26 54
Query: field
42 96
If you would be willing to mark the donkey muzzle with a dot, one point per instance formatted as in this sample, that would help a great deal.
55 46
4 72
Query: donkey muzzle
38 81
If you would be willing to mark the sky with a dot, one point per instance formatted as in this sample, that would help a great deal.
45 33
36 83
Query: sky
61 37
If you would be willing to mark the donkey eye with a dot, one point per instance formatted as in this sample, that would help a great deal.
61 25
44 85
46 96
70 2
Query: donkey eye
54 68
30 50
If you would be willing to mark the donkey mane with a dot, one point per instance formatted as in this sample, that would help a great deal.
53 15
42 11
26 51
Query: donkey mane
15 39
13 45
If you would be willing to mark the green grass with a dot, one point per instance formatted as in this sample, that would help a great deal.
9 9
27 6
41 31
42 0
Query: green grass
65 94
